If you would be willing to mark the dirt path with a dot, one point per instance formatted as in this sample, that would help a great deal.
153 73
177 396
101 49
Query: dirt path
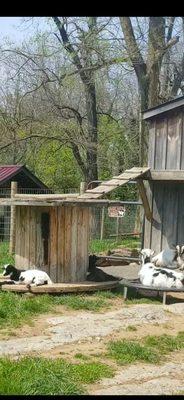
88 333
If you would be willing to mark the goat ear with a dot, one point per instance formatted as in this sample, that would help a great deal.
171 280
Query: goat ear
178 248
152 252
182 249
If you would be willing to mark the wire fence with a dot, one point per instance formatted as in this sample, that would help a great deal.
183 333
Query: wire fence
102 225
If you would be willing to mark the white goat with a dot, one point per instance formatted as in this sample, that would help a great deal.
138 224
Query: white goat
33 277
152 276
166 258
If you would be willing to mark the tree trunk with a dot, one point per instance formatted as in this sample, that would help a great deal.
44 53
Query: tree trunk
92 171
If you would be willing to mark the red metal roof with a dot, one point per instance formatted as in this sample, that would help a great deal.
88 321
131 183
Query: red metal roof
6 171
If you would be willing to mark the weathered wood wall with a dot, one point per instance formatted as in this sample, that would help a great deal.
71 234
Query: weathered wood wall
166 141
68 241
167 205
166 198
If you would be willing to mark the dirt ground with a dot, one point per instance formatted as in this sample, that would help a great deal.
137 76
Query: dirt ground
70 332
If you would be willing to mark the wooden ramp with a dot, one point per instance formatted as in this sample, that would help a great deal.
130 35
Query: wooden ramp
85 286
116 181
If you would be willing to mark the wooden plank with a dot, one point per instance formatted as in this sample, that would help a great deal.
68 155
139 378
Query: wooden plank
73 261
42 197
13 219
104 188
167 175
174 142
148 224
182 142
61 242
157 220
53 244
143 195
161 144
152 141
67 246
18 238
26 241
180 216
39 256
170 217
32 237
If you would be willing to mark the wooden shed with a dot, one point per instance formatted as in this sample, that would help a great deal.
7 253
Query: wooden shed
52 230
165 189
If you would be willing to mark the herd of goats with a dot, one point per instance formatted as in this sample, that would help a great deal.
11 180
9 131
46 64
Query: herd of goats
165 270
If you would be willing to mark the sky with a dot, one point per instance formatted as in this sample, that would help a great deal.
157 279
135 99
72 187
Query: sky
13 27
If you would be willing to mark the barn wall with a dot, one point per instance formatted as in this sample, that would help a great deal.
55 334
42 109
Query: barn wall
167 205
166 141
68 241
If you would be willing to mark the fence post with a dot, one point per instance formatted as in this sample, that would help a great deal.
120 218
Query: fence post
12 219
83 186
102 223
117 228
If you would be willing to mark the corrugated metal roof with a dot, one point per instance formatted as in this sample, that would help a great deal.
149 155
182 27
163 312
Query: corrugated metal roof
6 171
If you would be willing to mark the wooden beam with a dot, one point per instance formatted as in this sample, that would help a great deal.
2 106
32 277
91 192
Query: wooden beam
165 175
142 192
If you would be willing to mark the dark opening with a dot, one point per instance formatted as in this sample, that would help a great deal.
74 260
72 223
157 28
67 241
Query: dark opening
45 228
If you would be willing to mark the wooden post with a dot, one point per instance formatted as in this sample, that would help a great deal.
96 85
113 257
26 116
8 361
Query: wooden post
102 223
117 228
83 186
143 195
12 219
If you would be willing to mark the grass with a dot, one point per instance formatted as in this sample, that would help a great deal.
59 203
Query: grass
16 309
39 376
151 349
5 257
99 246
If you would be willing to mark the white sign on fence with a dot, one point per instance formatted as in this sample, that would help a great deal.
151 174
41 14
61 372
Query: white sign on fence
116 211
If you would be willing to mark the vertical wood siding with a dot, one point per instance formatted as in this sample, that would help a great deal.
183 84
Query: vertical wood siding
68 241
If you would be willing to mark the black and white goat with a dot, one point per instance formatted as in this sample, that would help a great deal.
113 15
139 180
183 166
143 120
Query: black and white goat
34 277
170 258
152 276
166 258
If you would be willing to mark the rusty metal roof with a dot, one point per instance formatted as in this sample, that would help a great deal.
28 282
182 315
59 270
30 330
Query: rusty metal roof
7 171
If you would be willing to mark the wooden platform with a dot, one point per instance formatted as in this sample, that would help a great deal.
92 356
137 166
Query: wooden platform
85 286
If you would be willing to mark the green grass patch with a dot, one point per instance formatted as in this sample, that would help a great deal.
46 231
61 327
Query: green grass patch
98 246
151 349
39 376
81 302
17 309
127 352
5 257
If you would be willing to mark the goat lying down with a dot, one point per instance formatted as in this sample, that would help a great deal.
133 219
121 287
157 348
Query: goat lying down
150 275
170 258
33 277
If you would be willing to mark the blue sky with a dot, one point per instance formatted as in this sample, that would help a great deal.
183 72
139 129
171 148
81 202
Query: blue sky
13 27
